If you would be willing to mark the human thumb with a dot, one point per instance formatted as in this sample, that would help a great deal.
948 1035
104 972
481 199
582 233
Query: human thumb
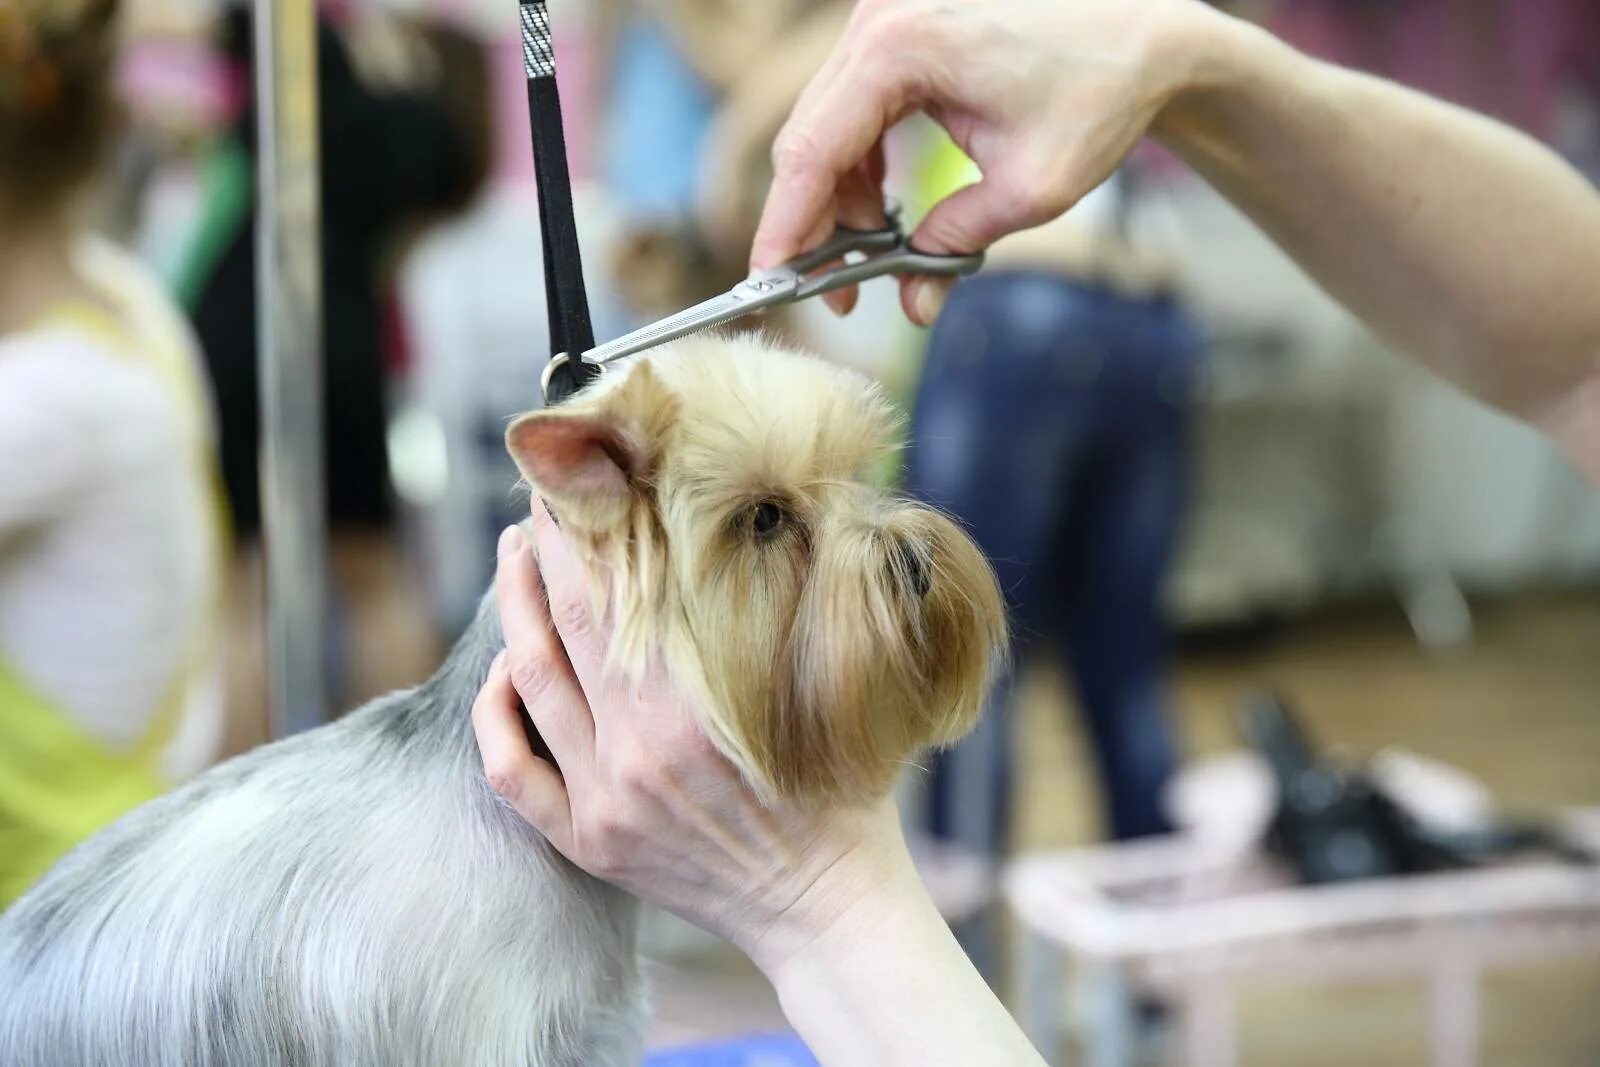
974 217
967 221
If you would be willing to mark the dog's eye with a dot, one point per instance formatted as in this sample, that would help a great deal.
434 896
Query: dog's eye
766 518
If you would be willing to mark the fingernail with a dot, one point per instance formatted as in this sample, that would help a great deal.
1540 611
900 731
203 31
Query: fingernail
499 661
511 540
929 302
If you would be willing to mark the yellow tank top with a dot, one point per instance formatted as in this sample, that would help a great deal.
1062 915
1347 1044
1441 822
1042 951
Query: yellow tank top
58 782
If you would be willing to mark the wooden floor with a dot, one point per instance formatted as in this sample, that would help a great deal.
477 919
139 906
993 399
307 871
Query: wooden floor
1520 709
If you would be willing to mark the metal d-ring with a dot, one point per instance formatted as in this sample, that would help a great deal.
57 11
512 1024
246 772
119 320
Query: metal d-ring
557 361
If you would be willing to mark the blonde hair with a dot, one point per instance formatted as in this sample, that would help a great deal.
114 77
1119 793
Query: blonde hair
56 106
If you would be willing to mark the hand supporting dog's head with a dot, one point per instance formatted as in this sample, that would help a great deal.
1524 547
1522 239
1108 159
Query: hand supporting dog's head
831 631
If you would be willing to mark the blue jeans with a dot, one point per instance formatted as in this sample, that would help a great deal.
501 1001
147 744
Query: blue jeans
1053 420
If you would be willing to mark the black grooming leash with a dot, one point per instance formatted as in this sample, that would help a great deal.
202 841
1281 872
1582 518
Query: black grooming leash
848 257
566 302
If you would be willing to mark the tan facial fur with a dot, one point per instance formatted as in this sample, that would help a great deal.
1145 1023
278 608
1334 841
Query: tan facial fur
830 630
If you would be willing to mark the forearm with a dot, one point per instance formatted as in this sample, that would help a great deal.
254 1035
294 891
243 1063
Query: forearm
887 985
1460 241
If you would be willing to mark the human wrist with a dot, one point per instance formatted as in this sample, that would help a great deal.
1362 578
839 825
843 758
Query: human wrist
869 931
1218 61
865 874
884 981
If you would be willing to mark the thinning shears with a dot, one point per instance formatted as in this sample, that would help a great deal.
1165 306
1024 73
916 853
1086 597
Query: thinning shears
861 254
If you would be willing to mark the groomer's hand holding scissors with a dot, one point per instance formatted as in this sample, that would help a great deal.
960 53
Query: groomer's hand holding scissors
1460 241
1046 96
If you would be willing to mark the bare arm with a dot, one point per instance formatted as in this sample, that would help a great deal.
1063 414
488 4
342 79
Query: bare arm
888 984
1460 241
46 459
1463 243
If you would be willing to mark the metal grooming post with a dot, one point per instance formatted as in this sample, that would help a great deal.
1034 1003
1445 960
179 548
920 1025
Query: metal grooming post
289 325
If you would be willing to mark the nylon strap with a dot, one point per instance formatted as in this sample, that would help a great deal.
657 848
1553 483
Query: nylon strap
566 302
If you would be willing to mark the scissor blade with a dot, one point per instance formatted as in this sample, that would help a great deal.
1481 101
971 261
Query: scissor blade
703 316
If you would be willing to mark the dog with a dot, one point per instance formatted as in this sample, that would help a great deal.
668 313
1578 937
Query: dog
359 895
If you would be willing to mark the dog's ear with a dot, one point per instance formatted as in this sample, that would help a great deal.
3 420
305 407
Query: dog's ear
590 459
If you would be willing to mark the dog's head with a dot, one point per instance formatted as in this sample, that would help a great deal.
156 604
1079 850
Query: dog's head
832 631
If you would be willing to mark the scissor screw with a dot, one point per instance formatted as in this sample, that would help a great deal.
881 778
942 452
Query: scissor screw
761 287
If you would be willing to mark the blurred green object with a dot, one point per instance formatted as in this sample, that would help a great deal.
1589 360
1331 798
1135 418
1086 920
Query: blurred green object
227 186
941 168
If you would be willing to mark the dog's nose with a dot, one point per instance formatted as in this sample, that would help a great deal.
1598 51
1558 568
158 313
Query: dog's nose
911 565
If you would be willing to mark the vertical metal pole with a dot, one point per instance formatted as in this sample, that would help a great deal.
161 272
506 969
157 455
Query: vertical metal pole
289 325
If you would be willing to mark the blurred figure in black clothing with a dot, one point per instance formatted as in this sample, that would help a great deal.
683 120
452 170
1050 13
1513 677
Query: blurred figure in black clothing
404 130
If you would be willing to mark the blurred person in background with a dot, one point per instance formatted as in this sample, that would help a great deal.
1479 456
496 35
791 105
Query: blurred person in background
734 165
172 91
698 87
111 525
662 91
404 131
1053 419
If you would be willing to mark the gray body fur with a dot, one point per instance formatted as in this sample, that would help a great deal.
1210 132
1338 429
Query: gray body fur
353 896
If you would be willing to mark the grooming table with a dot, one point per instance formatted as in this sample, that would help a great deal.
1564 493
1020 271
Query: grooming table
1191 917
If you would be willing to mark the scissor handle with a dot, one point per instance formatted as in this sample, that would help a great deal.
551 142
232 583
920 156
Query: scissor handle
862 255
845 240
902 259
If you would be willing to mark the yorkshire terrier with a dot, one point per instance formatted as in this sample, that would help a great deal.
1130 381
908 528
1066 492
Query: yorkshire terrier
359 895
